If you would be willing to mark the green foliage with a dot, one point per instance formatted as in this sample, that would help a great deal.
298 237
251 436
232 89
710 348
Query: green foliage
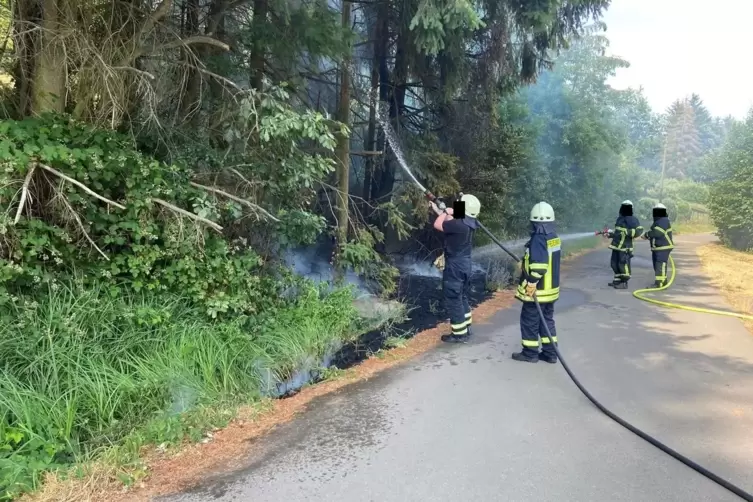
731 197
85 370
435 20
148 248
145 249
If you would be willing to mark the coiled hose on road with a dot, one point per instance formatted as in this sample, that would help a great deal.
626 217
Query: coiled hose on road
640 292
666 449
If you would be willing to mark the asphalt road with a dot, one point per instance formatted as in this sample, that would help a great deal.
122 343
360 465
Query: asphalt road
468 423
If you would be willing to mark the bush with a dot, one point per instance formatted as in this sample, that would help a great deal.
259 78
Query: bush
146 243
83 369
731 199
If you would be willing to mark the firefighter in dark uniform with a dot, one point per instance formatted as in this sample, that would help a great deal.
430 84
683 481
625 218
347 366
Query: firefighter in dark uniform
662 243
457 266
539 278
625 230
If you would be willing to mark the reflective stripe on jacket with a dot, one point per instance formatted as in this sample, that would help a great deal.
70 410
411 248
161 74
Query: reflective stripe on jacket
626 229
660 235
541 264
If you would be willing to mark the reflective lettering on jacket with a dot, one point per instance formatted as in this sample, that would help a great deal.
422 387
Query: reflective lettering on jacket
626 229
660 235
541 265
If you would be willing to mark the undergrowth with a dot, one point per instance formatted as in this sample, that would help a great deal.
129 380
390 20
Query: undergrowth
83 370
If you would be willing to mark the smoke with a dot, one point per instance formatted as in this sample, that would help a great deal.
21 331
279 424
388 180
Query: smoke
492 249
309 263
483 257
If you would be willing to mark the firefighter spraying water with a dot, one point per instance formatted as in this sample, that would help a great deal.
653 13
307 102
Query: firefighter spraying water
458 225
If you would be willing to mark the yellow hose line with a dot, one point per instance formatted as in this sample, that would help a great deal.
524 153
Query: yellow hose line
639 295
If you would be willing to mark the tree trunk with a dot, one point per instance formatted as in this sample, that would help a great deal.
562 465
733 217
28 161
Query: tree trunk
380 36
343 148
26 44
190 99
48 86
385 182
258 27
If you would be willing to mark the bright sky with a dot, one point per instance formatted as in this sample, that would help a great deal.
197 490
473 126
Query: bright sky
677 47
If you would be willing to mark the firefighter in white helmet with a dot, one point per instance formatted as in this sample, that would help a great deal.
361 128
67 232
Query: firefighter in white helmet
625 230
539 279
456 263
662 243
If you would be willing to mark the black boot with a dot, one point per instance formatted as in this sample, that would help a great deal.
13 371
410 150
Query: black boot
621 285
658 284
614 283
548 357
523 357
455 338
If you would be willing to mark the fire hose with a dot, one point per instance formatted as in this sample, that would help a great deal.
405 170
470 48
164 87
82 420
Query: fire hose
639 293
655 442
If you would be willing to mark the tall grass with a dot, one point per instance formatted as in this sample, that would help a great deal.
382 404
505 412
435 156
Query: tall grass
82 370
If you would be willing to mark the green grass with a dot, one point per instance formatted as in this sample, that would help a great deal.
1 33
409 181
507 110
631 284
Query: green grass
82 371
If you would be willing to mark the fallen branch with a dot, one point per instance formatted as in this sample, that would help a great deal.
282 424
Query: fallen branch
185 213
245 202
81 225
24 195
81 186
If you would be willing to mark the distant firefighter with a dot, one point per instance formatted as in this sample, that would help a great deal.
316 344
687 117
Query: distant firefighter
456 265
625 230
662 243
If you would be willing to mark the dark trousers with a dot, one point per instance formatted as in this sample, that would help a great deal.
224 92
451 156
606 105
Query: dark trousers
456 284
660 259
621 265
532 328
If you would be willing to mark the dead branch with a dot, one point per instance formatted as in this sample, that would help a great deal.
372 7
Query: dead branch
357 153
185 213
198 39
237 173
80 185
24 195
245 202
81 225
135 70
162 10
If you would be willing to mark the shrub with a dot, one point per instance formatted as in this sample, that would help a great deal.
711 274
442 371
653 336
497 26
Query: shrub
731 197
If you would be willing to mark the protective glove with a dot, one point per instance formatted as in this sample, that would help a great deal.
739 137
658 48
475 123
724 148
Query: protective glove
531 289
439 262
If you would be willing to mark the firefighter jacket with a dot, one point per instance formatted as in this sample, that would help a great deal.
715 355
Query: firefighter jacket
625 230
458 238
660 235
541 265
